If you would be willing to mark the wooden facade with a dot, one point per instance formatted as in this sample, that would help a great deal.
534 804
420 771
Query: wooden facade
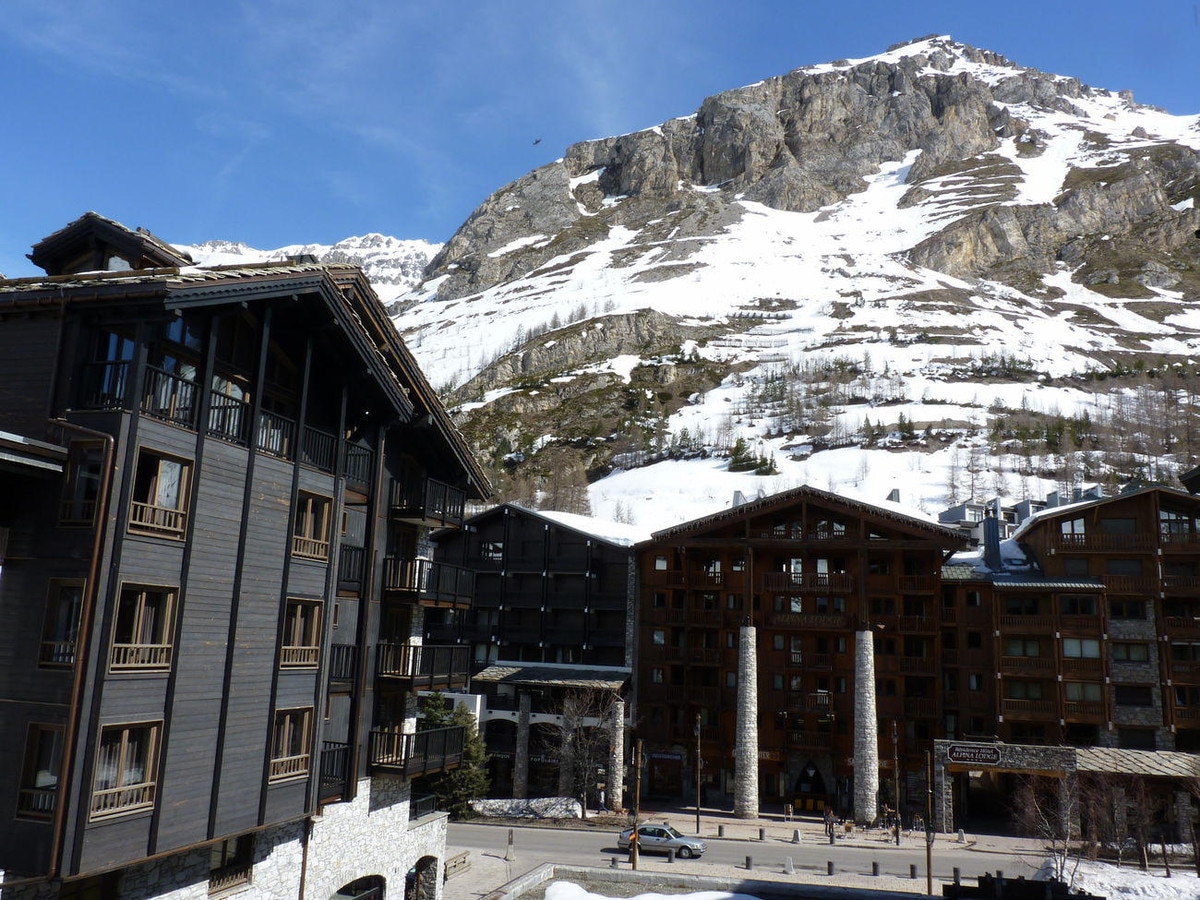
197 609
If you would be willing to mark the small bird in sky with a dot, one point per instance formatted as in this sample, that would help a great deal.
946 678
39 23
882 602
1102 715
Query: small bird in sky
536 141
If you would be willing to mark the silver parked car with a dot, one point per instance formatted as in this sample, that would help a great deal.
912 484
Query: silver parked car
660 839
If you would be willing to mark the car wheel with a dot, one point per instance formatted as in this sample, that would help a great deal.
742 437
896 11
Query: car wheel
684 853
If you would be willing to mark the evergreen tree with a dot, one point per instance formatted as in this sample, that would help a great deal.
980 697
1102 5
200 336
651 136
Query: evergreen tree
457 788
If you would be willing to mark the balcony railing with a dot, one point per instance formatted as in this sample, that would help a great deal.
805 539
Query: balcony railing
227 417
1186 584
1038 709
317 448
169 397
1103 542
299 656
288 767
807 581
918 584
918 665
428 666
1082 664
310 548
113 801
920 707
350 563
1183 626
431 583
418 807
357 464
37 803
343 662
140 657
427 502
422 753
104 385
1129 584
161 520
276 435
335 770
1027 662
1083 708
57 653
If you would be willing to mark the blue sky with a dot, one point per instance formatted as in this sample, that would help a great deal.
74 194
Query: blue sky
287 121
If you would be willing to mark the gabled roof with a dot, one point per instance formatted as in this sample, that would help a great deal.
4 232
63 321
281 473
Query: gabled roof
948 536
613 533
1054 512
87 244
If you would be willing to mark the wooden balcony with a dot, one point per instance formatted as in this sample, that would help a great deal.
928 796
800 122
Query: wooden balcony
920 707
120 800
351 561
912 624
140 657
315 549
423 753
276 435
1031 710
336 771
1104 543
37 803
1086 711
424 667
820 702
343 663
1182 626
318 448
1077 664
1130 584
1181 584
104 385
1027 663
285 767
57 653
299 656
919 665
427 501
358 465
161 521
1179 541
429 583
169 397
919 584
1029 624
807 582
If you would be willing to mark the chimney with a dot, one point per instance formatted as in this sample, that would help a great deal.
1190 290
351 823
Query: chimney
739 499
894 495
991 538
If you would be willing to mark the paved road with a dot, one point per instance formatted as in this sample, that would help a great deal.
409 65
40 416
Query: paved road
597 847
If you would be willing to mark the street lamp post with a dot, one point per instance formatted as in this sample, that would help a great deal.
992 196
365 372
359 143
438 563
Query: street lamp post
696 730
896 776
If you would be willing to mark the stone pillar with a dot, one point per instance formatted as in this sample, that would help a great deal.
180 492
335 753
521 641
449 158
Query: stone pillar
1183 815
866 743
614 787
521 750
1120 809
745 796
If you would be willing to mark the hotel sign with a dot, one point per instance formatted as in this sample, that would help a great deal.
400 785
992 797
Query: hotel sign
974 754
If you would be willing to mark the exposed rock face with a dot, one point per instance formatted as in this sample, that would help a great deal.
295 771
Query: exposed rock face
805 140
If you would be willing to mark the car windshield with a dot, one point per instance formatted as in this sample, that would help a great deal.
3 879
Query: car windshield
671 831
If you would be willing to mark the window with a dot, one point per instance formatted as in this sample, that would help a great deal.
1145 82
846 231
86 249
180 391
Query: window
60 630
1023 690
1126 652
974 640
40 772
974 599
1074 565
1123 567
1072 526
657 676
493 551
1133 695
230 864
1022 647
310 530
143 631
1184 652
1077 605
81 489
1082 691
974 682
1118 526
658 637
125 769
1081 648
1021 606
289 743
301 634
1136 739
1123 608
777 682
1187 695
160 496
733 601
731 679
660 564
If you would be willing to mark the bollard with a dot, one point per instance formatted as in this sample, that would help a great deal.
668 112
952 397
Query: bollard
875 867
957 876
762 834
962 836
831 838
749 863
788 868
670 854
912 870
829 867
796 836
612 862
509 855
720 831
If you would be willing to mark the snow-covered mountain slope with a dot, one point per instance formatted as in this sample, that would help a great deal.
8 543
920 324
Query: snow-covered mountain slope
931 250
394 266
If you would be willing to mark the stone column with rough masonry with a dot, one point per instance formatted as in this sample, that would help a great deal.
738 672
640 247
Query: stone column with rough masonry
866 743
521 750
615 783
745 797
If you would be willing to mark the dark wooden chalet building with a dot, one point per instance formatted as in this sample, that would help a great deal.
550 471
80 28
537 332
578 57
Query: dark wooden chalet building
809 569
553 615
216 491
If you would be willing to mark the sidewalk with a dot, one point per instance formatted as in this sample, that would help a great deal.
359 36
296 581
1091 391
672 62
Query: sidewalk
488 872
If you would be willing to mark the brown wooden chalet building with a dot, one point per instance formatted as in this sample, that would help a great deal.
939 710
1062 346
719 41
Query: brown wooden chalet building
809 569
1082 631
216 491
553 614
